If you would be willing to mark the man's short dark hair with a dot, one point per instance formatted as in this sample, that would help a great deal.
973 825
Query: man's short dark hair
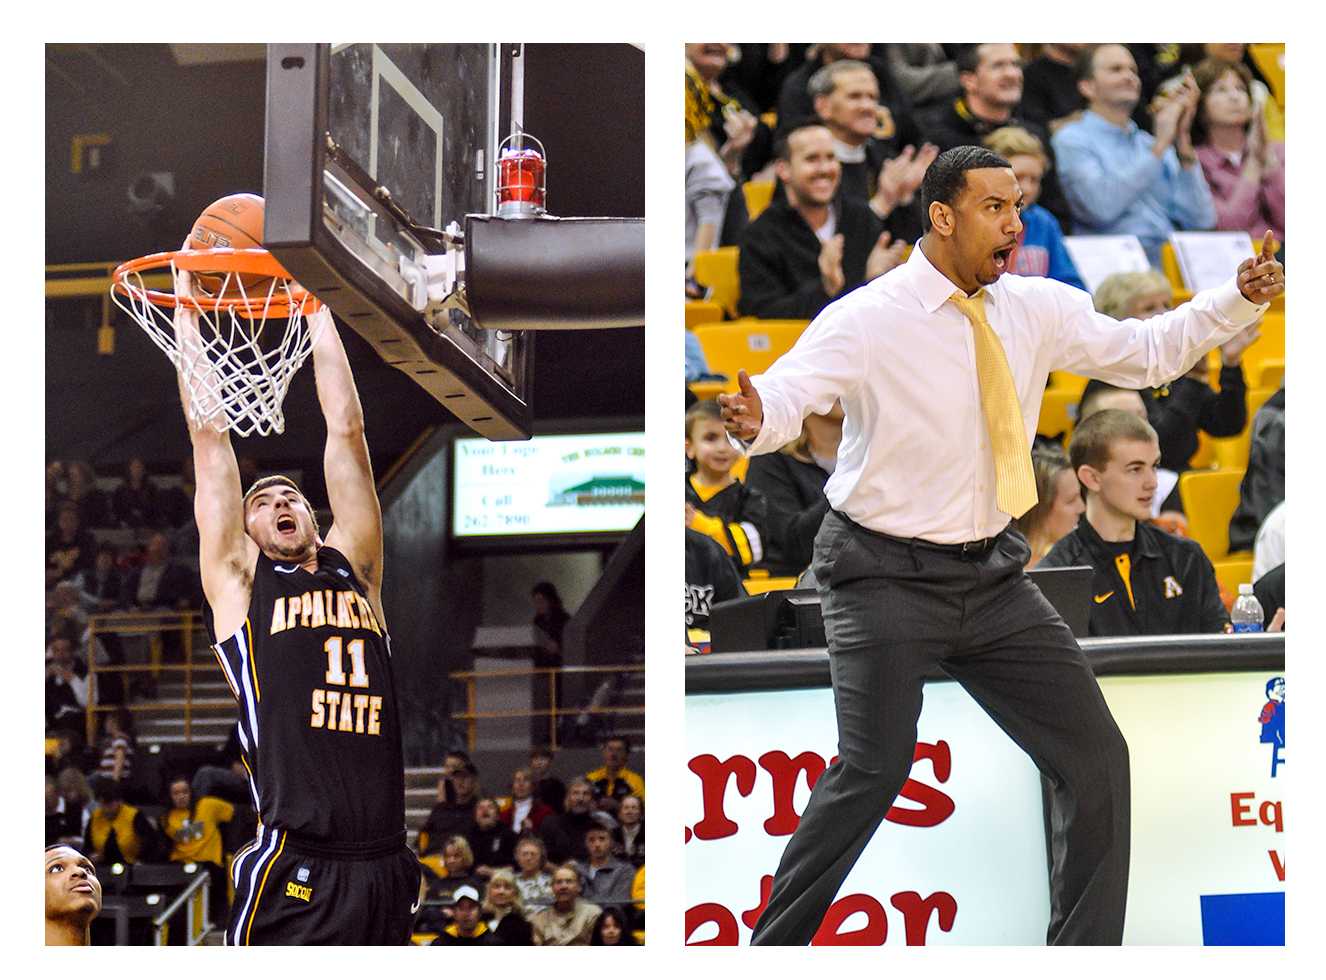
626 742
825 80
946 178
968 58
782 147
541 751
1084 65
277 480
1094 439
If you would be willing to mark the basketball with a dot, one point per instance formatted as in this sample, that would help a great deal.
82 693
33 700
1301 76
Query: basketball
235 221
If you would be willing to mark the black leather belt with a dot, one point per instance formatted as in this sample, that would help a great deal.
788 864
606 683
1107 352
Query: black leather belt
966 551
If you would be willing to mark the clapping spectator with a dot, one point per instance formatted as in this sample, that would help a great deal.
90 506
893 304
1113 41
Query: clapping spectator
564 833
493 842
1040 250
611 930
70 547
792 481
569 921
717 503
505 911
532 879
1119 179
1244 168
795 102
810 245
629 837
1059 503
135 500
66 687
524 812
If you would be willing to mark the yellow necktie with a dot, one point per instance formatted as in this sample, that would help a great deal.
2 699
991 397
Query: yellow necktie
1015 483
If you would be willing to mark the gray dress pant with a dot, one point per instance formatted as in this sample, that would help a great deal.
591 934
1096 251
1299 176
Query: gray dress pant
892 611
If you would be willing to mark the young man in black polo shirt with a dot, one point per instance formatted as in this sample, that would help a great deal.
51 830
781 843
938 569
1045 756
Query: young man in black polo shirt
1147 583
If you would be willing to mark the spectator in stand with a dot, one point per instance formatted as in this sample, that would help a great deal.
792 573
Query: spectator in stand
1147 582
876 169
743 141
1270 593
795 103
453 760
564 833
547 787
792 481
81 490
117 747
607 879
533 881
66 687
176 503
550 619
56 485
116 831
102 586
524 811
73 897
809 246
762 69
70 547
1244 168
1180 409
193 828
924 71
64 823
467 927
710 577
453 816
134 502
612 781
505 912
612 929
160 583
1040 250
708 184
1263 484
1120 180
76 793
991 80
717 503
456 872
629 838
569 921
493 843
1232 55
1058 506
1050 97
1269 548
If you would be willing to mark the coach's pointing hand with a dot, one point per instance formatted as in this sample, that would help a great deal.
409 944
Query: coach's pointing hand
742 412
1262 279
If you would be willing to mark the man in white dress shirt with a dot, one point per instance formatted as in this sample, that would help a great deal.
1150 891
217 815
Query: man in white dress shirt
940 366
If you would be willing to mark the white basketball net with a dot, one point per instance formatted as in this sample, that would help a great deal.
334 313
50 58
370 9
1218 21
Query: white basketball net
235 365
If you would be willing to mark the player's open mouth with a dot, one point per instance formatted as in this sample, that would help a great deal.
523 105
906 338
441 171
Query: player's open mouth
286 525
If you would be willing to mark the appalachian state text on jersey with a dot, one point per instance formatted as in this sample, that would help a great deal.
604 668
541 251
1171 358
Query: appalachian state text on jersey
311 670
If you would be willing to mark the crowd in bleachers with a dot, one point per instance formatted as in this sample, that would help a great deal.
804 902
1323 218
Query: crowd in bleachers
803 165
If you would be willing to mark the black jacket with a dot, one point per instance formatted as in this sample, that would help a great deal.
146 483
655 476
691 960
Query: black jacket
795 104
744 514
859 182
1172 584
1187 405
710 577
779 262
794 492
1264 483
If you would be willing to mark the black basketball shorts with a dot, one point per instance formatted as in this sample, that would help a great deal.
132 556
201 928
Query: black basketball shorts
291 891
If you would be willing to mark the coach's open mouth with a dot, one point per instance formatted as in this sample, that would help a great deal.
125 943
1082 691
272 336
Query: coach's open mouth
1002 255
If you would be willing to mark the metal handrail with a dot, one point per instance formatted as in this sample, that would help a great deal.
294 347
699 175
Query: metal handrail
202 881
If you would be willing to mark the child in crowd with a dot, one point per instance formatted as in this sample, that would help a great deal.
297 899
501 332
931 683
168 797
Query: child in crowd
719 505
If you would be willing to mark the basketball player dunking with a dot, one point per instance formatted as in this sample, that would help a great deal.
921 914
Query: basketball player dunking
297 624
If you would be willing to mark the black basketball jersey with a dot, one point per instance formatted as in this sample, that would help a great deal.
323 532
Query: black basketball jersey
318 721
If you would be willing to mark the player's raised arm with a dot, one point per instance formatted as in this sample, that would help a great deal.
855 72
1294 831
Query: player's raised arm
357 516
225 553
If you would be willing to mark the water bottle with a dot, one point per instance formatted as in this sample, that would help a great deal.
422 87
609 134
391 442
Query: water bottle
1247 614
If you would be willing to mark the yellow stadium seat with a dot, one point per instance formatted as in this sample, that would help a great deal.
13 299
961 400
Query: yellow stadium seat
1169 265
759 586
1232 453
717 269
1270 374
700 311
1233 572
1054 418
1269 346
758 194
1257 397
707 390
746 343
1209 499
1270 61
770 119
1204 456
1064 381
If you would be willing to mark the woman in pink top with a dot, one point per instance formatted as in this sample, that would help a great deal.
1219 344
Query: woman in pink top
1245 171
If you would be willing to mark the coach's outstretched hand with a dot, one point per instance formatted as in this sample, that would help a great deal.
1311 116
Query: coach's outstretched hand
742 412
1261 279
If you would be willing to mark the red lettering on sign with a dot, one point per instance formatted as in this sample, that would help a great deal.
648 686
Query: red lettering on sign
916 913
752 916
1239 809
1278 864
714 776
1272 815
936 805
785 772
712 912
873 933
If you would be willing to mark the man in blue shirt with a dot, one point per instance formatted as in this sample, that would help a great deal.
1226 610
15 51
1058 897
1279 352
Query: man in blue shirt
1119 179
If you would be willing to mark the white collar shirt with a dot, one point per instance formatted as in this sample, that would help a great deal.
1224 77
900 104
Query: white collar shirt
915 459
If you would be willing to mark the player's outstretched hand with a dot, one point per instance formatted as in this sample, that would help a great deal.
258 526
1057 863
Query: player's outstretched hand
743 413
1261 279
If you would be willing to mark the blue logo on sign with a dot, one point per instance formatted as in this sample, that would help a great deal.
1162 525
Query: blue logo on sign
1272 720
